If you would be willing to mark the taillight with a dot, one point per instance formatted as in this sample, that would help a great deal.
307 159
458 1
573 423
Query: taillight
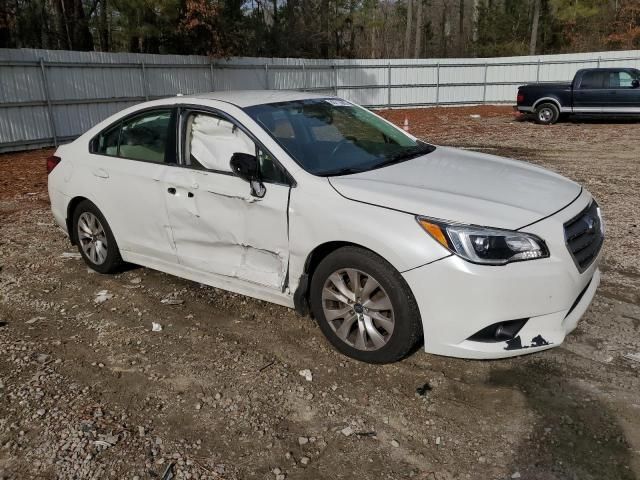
520 98
52 162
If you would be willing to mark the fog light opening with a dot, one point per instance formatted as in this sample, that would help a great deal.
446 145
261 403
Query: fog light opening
499 332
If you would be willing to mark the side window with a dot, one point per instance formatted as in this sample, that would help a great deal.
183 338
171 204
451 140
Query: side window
620 79
593 79
145 137
210 141
107 142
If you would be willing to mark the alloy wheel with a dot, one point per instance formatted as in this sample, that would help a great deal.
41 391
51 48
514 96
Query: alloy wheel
92 238
358 309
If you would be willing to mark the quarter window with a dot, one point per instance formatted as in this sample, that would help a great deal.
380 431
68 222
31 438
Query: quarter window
107 143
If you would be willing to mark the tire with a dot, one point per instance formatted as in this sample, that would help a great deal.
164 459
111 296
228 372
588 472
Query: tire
359 317
547 114
91 228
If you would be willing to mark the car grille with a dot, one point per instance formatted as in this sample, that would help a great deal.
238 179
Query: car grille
584 235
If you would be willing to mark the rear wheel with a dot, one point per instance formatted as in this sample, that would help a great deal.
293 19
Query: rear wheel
364 307
547 114
94 238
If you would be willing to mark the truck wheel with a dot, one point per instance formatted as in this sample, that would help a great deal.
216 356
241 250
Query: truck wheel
547 114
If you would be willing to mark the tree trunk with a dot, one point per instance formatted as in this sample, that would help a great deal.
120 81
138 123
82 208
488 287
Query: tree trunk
324 26
461 38
534 27
407 35
104 26
418 49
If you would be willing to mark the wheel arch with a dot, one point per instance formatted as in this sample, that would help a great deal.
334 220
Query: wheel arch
71 207
301 295
553 100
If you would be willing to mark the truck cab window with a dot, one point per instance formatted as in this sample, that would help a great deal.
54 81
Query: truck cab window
593 80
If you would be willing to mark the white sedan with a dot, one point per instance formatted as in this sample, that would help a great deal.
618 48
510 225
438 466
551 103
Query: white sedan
315 203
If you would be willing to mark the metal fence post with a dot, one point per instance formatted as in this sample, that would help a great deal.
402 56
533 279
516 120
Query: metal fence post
389 85
484 87
538 71
437 83
335 79
266 75
599 58
213 80
145 83
304 77
45 85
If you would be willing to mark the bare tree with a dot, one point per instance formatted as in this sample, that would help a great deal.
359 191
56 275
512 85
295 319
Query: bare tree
407 35
534 27
419 18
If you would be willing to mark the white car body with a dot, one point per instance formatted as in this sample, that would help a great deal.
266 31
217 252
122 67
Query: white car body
214 232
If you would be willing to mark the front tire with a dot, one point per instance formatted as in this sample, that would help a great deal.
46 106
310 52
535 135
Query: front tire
547 114
364 306
94 239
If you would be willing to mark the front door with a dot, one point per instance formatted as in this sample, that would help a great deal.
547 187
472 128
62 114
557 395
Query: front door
218 226
623 96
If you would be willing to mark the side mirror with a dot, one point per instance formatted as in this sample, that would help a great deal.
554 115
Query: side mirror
635 83
245 166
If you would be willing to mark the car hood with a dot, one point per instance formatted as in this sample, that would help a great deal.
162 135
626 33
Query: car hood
462 186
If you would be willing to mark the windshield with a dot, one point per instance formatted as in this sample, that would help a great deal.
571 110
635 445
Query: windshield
334 137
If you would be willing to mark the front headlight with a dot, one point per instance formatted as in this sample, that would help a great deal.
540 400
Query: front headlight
488 246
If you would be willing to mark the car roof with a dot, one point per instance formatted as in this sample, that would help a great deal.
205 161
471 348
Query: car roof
248 98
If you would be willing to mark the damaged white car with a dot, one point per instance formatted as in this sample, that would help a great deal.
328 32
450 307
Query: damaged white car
319 204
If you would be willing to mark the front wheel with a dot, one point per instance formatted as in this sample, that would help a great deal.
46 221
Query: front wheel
364 307
547 114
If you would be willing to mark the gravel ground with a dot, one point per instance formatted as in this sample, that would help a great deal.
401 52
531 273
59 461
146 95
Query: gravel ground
87 390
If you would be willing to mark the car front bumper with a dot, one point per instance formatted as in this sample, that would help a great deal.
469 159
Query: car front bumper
457 299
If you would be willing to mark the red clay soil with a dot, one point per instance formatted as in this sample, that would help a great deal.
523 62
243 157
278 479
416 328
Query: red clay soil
23 173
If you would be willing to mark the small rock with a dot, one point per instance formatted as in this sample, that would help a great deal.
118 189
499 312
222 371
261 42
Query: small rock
276 471
394 443
141 431
306 373
102 296
41 412
172 301
198 406
156 327
136 280
288 455
437 440
304 460
516 475
346 431
42 358
303 440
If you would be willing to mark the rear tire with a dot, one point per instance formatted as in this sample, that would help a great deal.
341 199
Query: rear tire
94 239
547 114
364 306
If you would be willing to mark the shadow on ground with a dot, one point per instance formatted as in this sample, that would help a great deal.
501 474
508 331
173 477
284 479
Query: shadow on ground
574 436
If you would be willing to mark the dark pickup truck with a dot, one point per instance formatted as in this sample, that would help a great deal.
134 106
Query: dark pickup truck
593 92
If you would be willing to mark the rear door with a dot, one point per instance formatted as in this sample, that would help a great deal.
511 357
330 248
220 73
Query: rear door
590 95
218 226
623 96
125 165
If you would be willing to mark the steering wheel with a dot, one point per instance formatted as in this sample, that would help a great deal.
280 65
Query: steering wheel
342 143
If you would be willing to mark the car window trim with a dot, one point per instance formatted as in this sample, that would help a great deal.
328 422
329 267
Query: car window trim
171 128
187 109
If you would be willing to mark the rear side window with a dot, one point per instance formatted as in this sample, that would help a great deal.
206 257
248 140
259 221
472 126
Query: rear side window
143 137
107 143
593 79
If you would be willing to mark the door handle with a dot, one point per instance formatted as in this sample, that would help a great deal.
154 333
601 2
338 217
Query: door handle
171 190
190 195
101 173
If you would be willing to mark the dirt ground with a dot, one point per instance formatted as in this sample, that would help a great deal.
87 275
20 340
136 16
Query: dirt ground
87 390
